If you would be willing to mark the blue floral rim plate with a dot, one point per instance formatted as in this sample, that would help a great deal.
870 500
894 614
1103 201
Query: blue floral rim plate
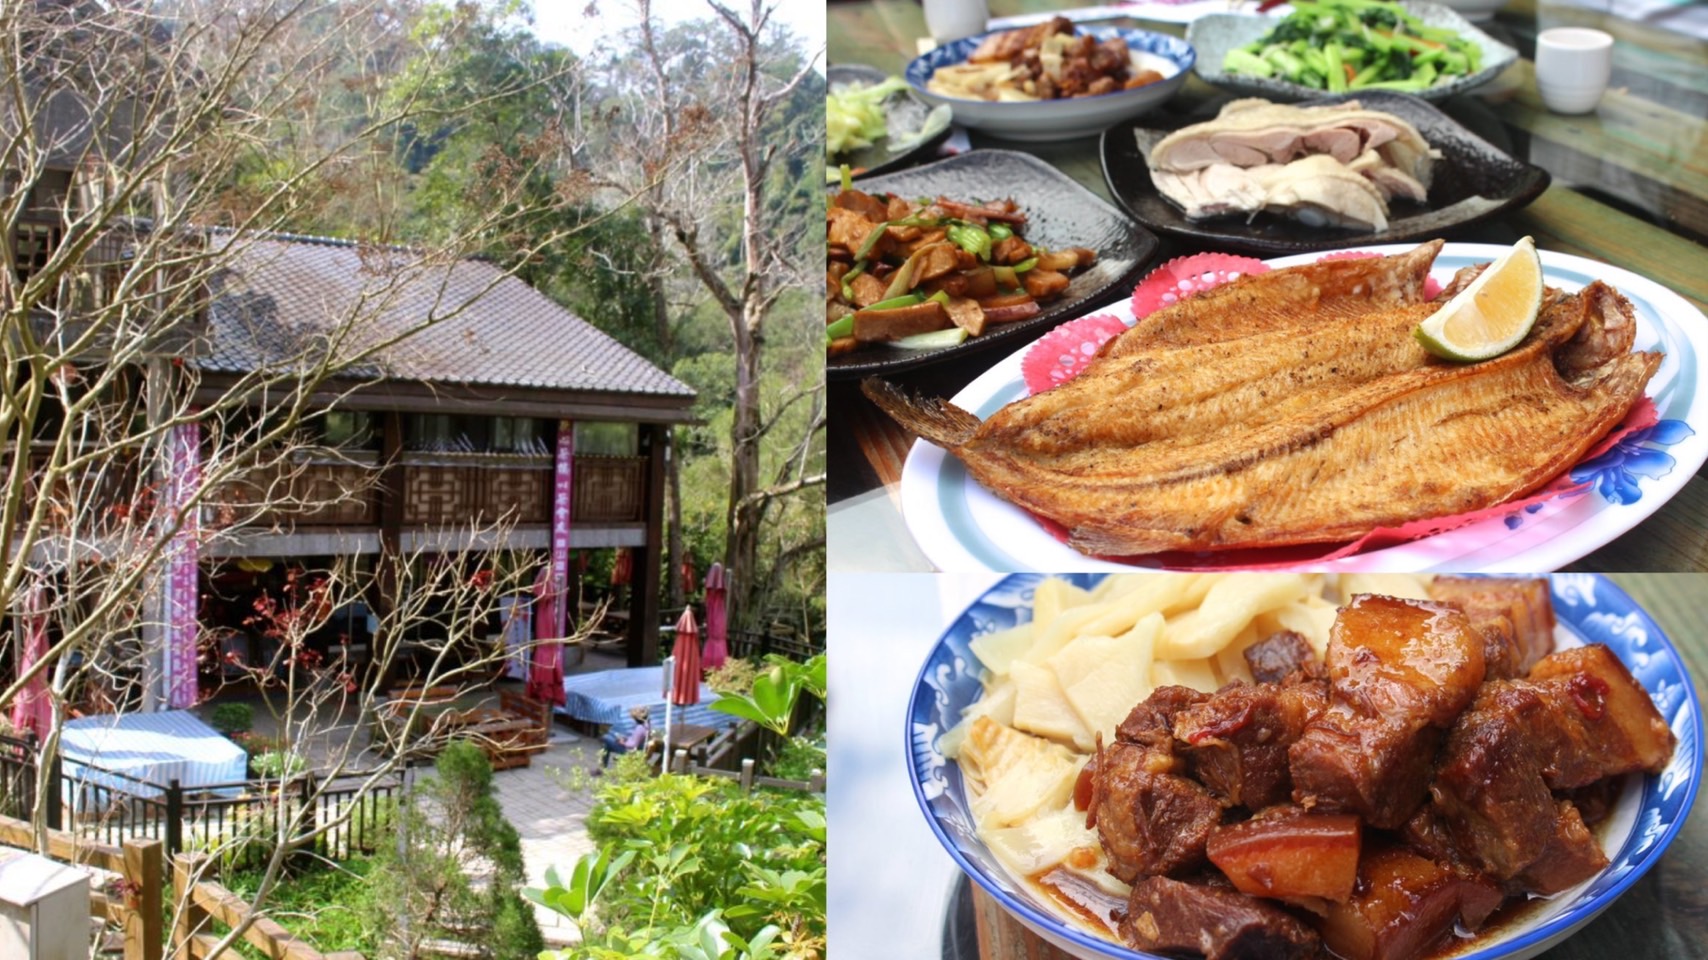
1589 609
961 526
1039 120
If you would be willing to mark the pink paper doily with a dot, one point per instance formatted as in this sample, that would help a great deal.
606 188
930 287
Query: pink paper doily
1062 353
1182 277
1642 415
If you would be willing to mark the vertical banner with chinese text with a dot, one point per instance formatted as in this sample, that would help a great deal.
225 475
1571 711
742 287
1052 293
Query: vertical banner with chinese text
182 588
562 494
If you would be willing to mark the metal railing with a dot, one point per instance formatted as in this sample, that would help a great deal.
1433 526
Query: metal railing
240 823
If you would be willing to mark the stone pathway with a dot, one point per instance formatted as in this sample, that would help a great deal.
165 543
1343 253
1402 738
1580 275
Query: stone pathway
550 818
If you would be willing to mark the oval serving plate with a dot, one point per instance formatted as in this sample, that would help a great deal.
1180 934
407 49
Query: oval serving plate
1213 36
1589 608
962 526
1043 120
1474 180
904 111
1059 213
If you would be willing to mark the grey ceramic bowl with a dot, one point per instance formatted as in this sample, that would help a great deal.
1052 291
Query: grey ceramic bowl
1213 36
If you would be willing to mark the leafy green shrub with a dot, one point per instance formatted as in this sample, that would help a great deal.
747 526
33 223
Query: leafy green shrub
325 904
798 758
686 862
275 764
452 828
734 676
230 718
770 702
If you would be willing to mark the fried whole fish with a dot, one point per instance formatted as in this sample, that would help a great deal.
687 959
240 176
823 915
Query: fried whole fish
1221 422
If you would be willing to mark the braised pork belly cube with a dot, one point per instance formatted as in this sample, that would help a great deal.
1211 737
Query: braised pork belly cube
1515 615
1569 857
1399 672
1168 916
1404 904
1622 730
1151 721
1278 655
1150 818
1579 719
1236 741
1289 854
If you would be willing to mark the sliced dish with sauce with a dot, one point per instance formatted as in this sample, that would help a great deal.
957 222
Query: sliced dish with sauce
1370 767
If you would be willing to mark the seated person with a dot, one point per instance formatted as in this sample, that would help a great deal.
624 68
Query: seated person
636 739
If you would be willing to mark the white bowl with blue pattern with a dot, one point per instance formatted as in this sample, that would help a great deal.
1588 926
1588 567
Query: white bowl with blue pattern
1589 609
1036 120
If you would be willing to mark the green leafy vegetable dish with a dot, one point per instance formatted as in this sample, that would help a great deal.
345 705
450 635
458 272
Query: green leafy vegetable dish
1341 45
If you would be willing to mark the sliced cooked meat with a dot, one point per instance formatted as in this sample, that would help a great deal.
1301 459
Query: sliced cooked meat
1167 916
1571 856
1236 741
1399 672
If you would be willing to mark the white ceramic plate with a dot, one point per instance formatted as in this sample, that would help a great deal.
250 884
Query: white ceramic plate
1039 120
1589 608
962 526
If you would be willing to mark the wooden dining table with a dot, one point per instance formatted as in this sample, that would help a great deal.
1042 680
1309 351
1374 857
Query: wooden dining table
1629 188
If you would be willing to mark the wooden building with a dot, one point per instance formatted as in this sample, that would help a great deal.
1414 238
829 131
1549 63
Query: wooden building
494 401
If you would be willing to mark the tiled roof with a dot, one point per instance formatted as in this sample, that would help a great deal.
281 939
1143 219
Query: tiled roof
282 296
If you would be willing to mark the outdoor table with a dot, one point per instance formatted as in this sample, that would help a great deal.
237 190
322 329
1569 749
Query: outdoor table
605 697
895 893
1630 188
142 753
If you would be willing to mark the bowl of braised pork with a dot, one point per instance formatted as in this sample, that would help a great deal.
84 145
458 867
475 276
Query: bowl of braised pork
1246 765
1052 81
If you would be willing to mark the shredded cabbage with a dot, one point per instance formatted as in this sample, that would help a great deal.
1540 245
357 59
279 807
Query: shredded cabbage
854 115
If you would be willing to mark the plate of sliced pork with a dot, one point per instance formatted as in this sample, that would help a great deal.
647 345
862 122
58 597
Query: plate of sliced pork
1261 766
1375 167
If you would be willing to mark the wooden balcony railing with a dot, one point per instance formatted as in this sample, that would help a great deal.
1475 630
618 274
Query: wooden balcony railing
442 493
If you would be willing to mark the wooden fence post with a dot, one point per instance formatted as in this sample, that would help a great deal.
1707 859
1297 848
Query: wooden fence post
747 775
816 782
145 873
174 818
191 918
55 804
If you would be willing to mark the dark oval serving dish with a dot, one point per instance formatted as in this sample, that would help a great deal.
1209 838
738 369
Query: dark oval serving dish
1474 180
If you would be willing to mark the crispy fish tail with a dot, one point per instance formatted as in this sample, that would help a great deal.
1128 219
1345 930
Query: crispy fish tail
933 419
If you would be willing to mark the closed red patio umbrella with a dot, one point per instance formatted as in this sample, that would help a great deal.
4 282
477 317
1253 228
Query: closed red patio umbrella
685 681
717 619
545 674
33 710
623 570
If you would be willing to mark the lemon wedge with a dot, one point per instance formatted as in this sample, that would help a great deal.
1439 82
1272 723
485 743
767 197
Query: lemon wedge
1493 314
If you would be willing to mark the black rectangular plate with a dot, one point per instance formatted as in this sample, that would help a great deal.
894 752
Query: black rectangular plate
1060 213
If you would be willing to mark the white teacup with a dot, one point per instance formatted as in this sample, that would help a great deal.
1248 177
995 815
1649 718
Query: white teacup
953 19
1572 67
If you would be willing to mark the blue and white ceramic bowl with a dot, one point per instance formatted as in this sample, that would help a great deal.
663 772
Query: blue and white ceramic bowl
1061 119
1589 609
